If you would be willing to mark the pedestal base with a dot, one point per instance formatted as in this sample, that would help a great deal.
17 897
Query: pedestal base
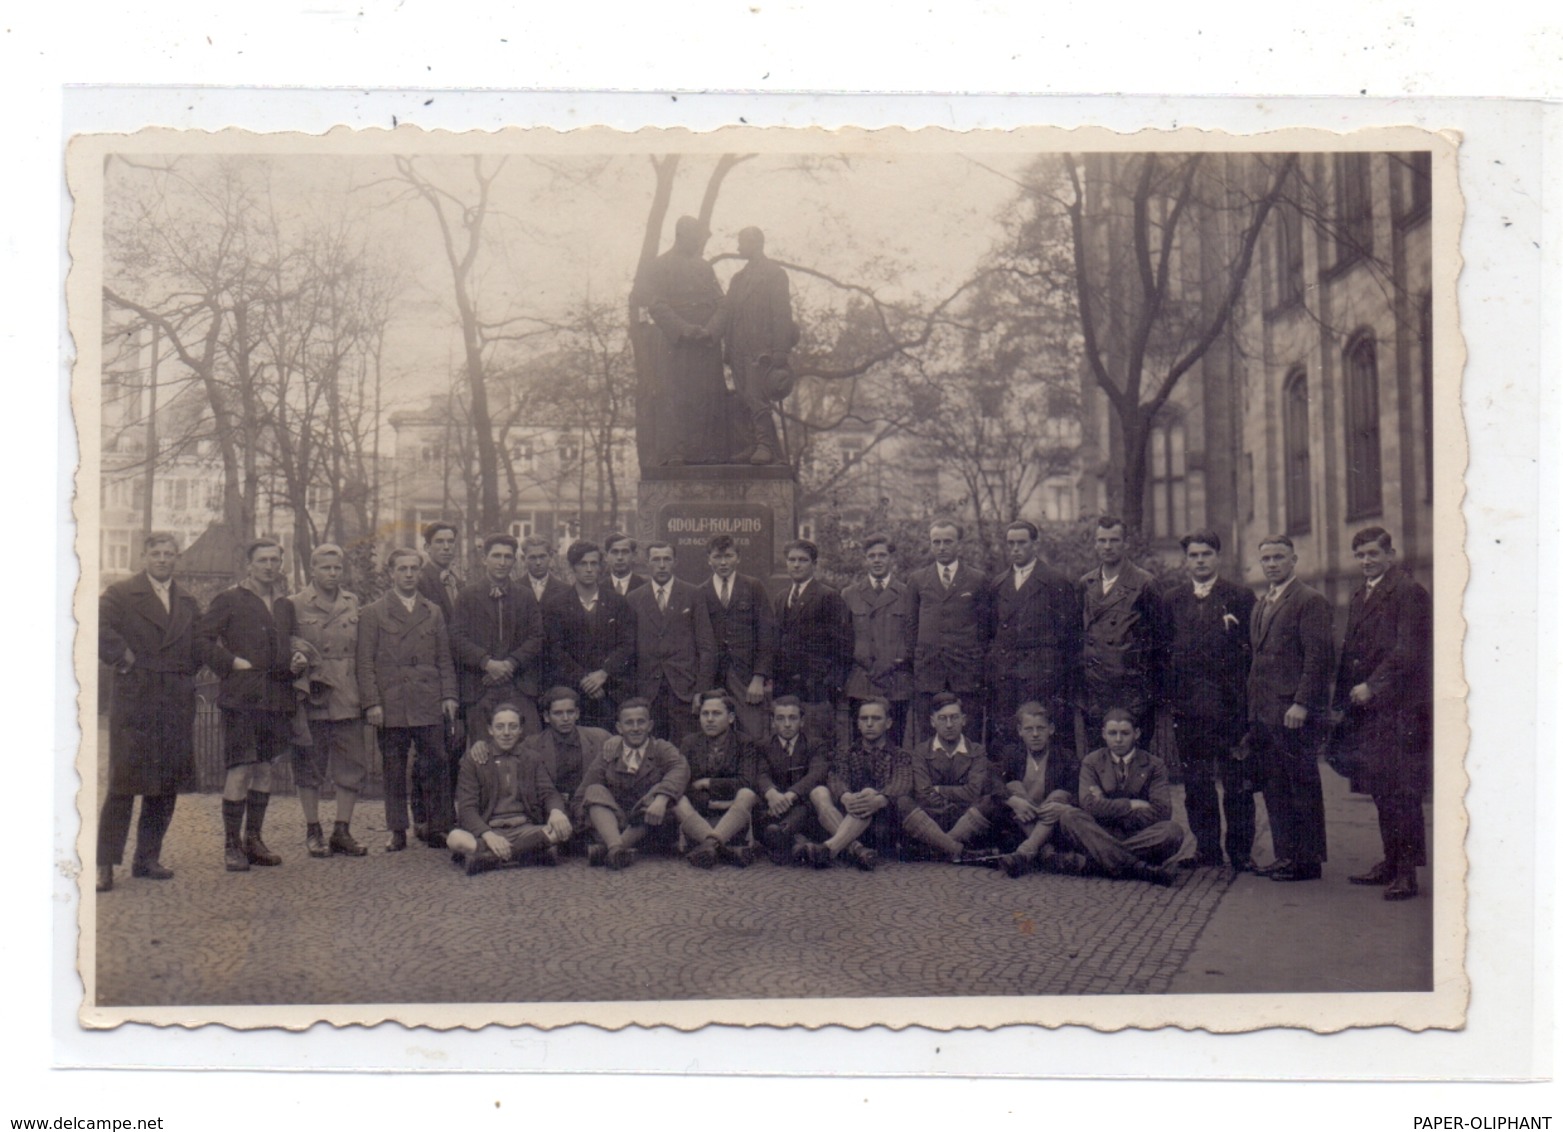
758 507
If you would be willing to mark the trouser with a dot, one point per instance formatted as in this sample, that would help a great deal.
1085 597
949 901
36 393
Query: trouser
671 718
1400 827
1205 751
1114 852
431 780
1288 773
157 811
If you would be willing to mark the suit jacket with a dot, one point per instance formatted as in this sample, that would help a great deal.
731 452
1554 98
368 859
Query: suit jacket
813 643
488 628
663 772
238 624
1293 656
1007 775
577 643
774 770
1036 633
327 634
745 630
1106 795
1124 636
477 791
881 647
404 665
1388 647
1209 652
950 629
430 586
131 616
942 781
566 763
675 647
636 581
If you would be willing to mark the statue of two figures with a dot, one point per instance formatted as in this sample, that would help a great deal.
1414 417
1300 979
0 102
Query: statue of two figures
684 412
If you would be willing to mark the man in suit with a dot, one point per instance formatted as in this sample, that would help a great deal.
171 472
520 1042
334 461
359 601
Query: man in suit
589 635
744 627
945 809
786 769
863 796
720 762
496 642
629 789
813 642
146 633
327 617
1384 692
246 638
1034 783
1205 692
619 548
1124 820
675 651
949 616
407 685
506 806
439 580
1288 710
1035 652
881 652
1121 653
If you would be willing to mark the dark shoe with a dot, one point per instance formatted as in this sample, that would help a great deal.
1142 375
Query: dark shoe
458 858
864 858
1153 874
620 857
1016 864
1070 864
234 859
547 856
151 870
739 856
703 857
436 840
105 878
482 862
1379 874
777 844
812 853
315 842
397 841
420 830
1280 864
1300 871
596 855
1404 885
1243 865
257 852
342 842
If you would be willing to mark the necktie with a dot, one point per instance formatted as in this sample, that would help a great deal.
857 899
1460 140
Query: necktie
662 598
451 589
879 586
948 575
793 600
722 584
622 585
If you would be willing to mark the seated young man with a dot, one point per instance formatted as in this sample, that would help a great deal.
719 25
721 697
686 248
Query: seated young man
719 760
870 781
1034 784
949 783
506 806
630 787
1124 822
786 769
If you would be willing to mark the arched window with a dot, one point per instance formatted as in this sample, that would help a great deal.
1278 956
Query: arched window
1299 471
1169 479
1364 473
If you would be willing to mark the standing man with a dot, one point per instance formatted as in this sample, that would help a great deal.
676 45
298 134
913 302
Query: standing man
758 335
866 793
589 635
744 628
1035 653
327 617
949 615
1384 687
540 581
813 642
439 581
1288 710
496 642
630 787
949 783
407 685
1123 635
786 770
247 639
675 652
881 652
146 633
620 549
1209 651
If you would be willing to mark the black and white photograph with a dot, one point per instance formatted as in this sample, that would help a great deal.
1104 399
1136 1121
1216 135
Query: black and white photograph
770 576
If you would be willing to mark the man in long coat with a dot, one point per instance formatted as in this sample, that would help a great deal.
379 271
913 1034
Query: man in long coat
813 642
496 642
1384 689
881 650
1035 651
589 638
1121 655
758 334
146 632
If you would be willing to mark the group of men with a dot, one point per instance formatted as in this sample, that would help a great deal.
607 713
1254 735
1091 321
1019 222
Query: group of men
642 711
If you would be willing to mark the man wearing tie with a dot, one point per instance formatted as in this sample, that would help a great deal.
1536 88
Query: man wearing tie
146 632
1121 657
950 619
620 550
590 637
439 580
1035 653
744 628
881 654
786 770
675 652
813 642
496 641
539 580
1288 710
629 789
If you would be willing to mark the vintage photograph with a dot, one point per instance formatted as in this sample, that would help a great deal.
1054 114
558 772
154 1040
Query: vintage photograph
769 577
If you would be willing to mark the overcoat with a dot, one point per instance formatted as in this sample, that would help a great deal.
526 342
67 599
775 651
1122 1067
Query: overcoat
326 632
1036 634
1123 638
1209 651
881 647
509 627
950 629
404 665
152 705
238 624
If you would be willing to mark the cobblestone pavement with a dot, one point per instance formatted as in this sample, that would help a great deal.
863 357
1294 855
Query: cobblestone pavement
411 927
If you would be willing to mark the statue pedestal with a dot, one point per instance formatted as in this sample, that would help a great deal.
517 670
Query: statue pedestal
757 506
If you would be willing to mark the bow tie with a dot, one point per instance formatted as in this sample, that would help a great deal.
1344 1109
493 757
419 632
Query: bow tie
497 592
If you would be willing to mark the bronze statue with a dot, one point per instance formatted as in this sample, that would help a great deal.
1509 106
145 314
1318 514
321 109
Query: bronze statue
758 334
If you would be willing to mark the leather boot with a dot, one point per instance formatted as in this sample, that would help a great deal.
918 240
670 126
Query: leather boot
1380 873
342 842
1403 887
234 858
105 878
315 841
